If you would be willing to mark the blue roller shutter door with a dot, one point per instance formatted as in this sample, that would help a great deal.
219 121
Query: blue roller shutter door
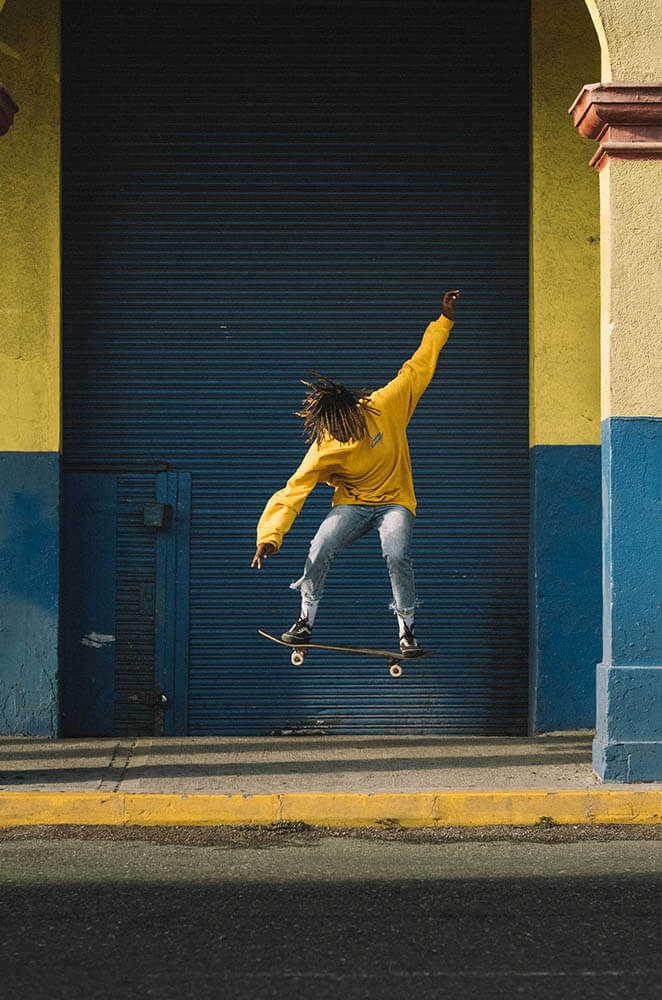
255 190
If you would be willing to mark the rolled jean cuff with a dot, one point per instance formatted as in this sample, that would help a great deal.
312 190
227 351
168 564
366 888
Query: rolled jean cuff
404 612
305 594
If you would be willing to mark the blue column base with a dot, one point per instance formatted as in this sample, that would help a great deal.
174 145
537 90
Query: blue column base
628 740
627 762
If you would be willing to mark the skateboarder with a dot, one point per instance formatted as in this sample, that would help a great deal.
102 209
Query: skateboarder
358 444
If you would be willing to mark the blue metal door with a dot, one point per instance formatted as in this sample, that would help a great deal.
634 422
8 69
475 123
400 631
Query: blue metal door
124 634
254 190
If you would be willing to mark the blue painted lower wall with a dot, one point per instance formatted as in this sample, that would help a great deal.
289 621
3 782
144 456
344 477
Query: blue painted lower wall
565 580
628 743
565 600
29 582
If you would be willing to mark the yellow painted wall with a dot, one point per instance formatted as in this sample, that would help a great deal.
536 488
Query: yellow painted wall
630 33
30 228
565 377
632 288
565 228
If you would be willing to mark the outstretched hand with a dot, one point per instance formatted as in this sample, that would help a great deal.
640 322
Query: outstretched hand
263 551
448 305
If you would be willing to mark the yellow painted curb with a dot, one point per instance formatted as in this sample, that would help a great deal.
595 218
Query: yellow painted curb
512 808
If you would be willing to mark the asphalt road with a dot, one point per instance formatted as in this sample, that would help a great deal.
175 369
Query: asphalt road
303 916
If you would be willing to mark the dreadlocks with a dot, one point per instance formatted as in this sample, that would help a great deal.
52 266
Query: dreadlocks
329 409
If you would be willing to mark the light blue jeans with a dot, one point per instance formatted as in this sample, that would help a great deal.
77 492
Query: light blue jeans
342 526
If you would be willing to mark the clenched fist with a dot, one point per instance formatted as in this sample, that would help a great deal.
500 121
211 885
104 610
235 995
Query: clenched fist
448 305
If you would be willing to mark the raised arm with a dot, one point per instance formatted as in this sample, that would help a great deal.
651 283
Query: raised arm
405 390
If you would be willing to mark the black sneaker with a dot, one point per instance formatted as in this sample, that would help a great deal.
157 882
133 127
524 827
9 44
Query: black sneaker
299 633
409 643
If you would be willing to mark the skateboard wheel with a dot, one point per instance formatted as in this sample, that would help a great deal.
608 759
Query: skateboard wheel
297 658
395 670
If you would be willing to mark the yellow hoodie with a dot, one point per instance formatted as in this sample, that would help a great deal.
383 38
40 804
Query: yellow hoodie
376 469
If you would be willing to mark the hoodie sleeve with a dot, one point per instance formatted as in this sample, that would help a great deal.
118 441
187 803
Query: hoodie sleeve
282 508
405 390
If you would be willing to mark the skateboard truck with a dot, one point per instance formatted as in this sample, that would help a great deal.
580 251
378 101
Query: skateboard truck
394 668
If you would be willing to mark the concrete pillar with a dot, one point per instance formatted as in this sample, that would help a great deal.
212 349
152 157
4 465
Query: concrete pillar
626 119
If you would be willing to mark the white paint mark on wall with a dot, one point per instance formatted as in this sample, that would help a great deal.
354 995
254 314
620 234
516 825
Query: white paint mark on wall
95 640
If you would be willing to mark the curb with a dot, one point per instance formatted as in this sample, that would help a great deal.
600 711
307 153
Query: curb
418 809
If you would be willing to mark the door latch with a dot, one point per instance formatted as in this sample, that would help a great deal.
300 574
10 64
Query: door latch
147 598
157 515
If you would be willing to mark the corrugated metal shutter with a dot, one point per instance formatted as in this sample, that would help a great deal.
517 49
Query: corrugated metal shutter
135 606
254 190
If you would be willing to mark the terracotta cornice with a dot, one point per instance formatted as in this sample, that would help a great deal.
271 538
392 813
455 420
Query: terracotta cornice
8 109
625 118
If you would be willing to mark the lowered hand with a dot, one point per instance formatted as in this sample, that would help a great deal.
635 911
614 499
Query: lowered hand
263 551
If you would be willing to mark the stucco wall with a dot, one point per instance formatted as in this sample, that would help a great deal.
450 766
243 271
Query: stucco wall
630 38
565 232
29 223
632 288
565 376
29 368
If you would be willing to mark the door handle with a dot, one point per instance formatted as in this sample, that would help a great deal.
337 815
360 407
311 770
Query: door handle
157 515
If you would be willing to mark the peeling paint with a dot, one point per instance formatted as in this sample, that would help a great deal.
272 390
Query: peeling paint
95 640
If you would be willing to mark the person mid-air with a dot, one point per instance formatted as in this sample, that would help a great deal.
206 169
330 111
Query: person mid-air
358 444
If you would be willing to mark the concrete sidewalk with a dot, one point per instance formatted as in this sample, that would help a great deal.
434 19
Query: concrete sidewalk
339 780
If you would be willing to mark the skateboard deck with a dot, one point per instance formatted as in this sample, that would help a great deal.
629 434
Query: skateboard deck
393 660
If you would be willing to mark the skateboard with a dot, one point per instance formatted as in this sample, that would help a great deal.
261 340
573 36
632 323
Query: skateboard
393 660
